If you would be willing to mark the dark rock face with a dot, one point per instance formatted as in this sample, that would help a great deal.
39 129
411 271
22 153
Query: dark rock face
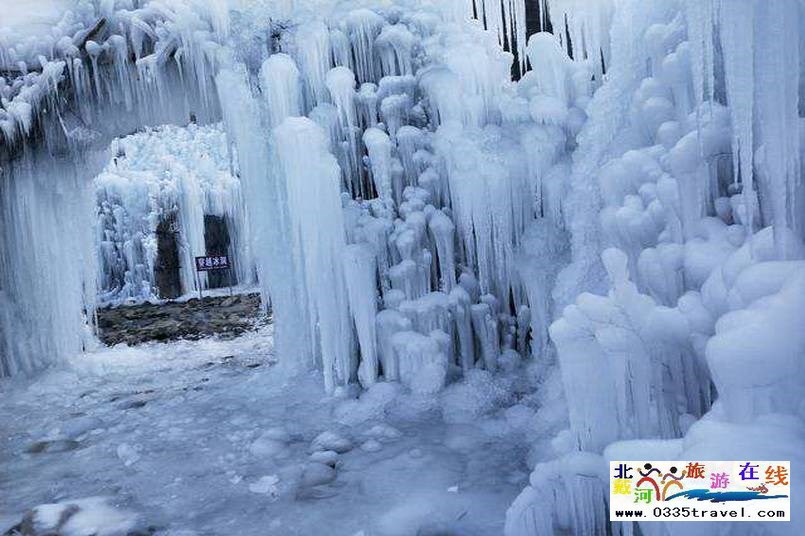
166 271
217 242
55 445
226 316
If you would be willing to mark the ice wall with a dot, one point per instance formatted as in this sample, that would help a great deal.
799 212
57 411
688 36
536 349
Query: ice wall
684 247
432 244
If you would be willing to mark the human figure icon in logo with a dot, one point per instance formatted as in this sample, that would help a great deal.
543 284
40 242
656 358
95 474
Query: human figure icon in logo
672 480
649 470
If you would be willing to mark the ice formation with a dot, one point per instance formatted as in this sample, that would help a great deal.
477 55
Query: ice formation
96 74
675 206
626 214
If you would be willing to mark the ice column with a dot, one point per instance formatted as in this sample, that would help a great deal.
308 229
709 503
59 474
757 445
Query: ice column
360 272
378 145
314 55
341 85
270 227
279 80
312 181
363 26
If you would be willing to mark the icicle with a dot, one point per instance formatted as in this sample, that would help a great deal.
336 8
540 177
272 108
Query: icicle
443 231
699 15
367 105
279 80
342 51
587 23
272 230
360 275
314 57
738 45
395 110
341 85
776 97
460 302
423 366
551 66
379 147
312 179
485 326
363 26
395 44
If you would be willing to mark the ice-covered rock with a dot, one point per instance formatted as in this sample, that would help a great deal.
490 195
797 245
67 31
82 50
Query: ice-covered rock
423 365
317 474
331 440
266 485
93 516
371 445
127 454
270 444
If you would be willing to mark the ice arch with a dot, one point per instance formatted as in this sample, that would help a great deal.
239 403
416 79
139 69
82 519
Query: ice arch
104 75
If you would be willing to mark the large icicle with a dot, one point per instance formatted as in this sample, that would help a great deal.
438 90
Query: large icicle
279 78
360 272
312 181
270 228
738 44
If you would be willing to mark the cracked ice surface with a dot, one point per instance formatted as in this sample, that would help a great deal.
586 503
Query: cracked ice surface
210 437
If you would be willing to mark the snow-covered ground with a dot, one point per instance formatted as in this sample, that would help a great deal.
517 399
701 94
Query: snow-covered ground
216 437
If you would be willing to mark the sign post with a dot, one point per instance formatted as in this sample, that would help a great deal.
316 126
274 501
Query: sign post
211 264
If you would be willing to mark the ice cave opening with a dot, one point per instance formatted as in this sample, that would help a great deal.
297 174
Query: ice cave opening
168 195
577 226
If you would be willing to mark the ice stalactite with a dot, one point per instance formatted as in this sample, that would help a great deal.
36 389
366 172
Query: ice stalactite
551 67
777 93
588 26
279 78
395 45
442 237
564 496
378 146
648 346
505 20
443 231
422 364
270 229
311 188
341 85
313 55
606 113
360 275
738 46
363 26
